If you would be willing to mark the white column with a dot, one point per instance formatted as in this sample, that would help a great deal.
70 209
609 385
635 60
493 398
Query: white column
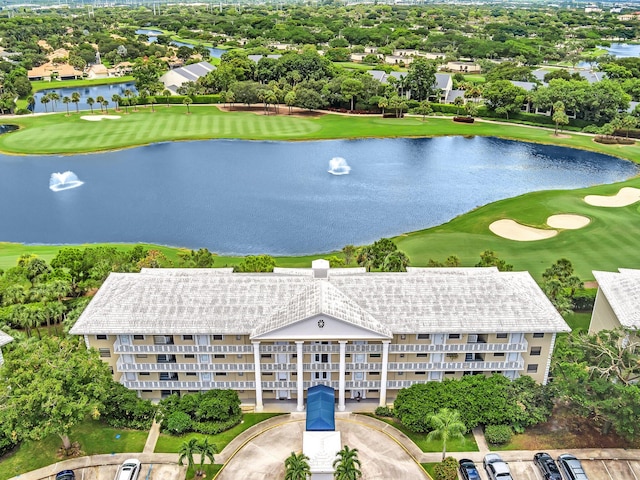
258 376
300 375
341 381
383 376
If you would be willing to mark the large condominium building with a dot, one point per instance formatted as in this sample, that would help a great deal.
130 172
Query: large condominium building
617 301
273 335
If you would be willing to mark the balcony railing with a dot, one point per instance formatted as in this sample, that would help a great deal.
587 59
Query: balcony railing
459 347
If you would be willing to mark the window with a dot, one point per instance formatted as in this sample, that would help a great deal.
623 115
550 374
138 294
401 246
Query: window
101 337
454 335
501 335
138 337
421 373
374 373
224 374
532 368
146 374
217 337
187 337
424 336
402 355
147 391
238 337
403 337
191 374
189 355
450 373
141 355
538 335
358 376
374 355
241 374
265 355
400 373
219 355
423 355
499 354
535 351
104 352
239 355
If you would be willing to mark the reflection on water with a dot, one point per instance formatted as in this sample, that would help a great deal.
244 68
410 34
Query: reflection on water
95 91
276 197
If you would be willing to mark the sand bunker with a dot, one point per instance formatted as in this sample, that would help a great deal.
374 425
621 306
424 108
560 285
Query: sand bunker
568 221
513 230
97 118
626 196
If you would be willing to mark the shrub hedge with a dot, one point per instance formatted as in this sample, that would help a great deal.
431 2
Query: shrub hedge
498 434
123 409
583 300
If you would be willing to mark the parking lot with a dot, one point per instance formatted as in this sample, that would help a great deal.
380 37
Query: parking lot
595 469
148 472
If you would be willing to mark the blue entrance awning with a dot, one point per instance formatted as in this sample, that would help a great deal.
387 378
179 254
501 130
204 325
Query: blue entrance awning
321 408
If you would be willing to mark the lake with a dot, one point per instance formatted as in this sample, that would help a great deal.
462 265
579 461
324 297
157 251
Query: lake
152 36
242 197
94 91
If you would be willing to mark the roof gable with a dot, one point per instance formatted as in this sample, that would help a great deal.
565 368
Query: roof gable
334 314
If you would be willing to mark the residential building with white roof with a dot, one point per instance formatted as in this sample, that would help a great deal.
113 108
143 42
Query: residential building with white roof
4 339
617 301
273 335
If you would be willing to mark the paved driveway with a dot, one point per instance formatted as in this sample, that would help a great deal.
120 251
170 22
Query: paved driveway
263 457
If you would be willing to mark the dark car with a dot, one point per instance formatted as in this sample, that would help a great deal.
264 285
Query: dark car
571 467
468 470
66 475
547 466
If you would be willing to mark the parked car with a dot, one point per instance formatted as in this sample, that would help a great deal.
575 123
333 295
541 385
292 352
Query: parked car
496 468
129 470
468 470
547 466
66 475
571 467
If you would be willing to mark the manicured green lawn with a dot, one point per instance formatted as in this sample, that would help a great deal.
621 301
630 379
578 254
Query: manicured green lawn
94 438
171 443
467 444
428 467
83 82
579 321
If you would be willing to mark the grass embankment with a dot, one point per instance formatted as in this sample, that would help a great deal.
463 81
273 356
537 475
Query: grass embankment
607 243
171 443
94 438
83 82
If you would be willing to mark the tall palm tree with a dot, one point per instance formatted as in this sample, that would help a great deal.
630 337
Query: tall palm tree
188 450
31 103
296 467
66 100
187 101
54 96
44 100
383 103
117 99
90 102
75 98
347 464
105 104
206 450
447 426
166 94
100 100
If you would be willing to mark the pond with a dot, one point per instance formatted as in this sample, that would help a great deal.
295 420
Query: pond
152 36
94 91
241 197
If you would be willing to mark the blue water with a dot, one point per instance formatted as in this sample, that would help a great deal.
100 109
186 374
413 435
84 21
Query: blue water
215 52
245 197
153 34
620 50
107 91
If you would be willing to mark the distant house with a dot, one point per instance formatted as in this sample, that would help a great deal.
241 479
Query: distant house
617 300
257 58
97 71
529 87
4 339
50 71
174 79
462 67
398 59
444 84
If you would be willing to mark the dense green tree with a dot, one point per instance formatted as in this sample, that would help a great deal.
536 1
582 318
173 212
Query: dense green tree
350 89
421 79
256 263
147 73
488 258
51 385
504 98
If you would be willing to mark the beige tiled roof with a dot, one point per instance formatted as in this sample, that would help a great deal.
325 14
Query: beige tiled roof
192 301
623 293
4 338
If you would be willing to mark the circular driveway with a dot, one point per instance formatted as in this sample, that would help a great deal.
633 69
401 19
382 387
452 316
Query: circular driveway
263 456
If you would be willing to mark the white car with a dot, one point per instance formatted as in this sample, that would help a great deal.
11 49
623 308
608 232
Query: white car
496 468
129 470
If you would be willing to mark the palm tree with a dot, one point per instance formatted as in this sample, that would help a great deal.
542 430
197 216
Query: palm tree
134 102
66 100
446 425
105 104
128 93
206 450
383 103
187 450
90 102
44 100
125 103
100 100
347 464
31 103
187 101
75 98
296 467
116 99
54 99
166 94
